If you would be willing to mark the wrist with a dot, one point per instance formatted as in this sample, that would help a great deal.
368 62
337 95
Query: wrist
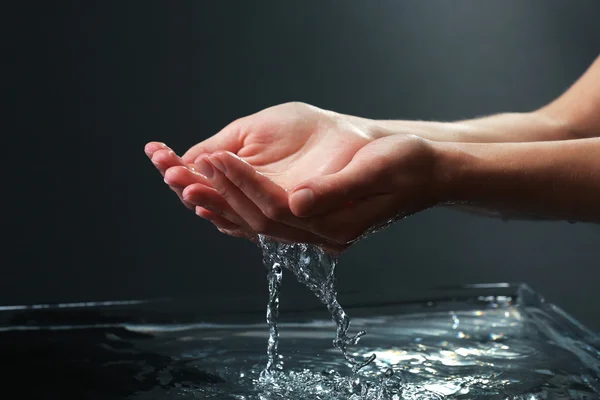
492 174
448 172
373 128
429 130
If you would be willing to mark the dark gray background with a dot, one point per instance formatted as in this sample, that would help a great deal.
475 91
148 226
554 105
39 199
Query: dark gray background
90 218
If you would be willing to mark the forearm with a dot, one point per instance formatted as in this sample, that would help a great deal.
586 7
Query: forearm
556 180
510 127
572 115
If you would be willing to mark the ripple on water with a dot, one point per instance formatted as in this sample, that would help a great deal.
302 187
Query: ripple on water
523 363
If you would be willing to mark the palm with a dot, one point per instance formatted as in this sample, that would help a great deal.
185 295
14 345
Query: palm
296 142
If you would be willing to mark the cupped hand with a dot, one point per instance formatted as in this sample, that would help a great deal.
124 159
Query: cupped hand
388 178
286 144
248 178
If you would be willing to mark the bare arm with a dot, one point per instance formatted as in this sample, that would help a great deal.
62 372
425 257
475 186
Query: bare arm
345 175
556 180
573 115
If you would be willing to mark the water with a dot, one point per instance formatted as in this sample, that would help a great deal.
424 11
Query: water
489 362
274 277
477 347
493 347
316 270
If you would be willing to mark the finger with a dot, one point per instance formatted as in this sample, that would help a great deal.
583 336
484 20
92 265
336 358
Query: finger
269 197
180 195
224 225
181 177
229 138
165 158
246 209
323 194
152 147
346 225
208 198
216 219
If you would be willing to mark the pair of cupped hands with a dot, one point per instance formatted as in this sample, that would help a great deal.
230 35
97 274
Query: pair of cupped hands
298 173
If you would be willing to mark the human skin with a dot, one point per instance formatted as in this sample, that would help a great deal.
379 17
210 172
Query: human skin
249 178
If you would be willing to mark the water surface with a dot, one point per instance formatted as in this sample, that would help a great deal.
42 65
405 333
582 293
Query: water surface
488 347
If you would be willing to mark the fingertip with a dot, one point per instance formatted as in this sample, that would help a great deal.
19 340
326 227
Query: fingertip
203 212
188 193
161 156
213 217
218 161
172 175
188 205
190 157
151 147
204 167
192 197
224 156
301 200
201 157
197 189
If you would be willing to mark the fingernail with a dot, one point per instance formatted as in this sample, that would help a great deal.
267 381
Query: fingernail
150 153
304 196
205 168
218 164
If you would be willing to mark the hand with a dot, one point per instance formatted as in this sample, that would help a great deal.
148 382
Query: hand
287 143
252 161
165 159
386 179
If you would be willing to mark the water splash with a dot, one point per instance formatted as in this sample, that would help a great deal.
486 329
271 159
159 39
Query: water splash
316 270
274 277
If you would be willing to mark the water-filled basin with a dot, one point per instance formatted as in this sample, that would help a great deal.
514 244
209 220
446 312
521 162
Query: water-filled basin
492 341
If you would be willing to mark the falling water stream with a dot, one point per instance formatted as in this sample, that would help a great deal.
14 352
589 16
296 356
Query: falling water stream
316 270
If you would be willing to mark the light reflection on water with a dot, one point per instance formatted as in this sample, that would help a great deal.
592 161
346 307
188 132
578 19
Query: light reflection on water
495 348
499 352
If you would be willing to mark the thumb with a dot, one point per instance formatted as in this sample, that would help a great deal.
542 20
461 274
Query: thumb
326 193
